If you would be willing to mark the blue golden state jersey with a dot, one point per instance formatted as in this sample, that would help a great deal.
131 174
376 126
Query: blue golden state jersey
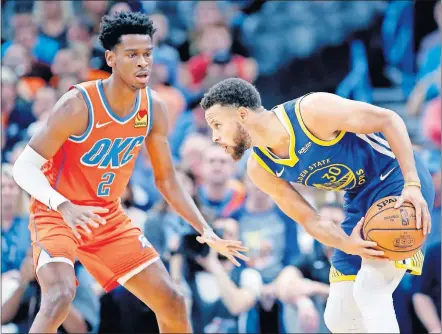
349 162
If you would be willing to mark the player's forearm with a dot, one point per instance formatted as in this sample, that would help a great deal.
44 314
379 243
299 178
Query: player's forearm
427 312
28 175
182 203
326 232
236 300
396 134
298 209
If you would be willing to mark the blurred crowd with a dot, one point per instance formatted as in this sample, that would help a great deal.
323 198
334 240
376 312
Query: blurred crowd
286 49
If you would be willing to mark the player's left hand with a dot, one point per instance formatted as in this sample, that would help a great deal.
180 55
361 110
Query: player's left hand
414 196
229 248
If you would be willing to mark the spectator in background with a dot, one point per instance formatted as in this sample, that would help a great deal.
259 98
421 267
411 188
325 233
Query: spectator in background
30 75
75 61
173 98
44 101
9 94
191 154
163 227
216 193
20 291
26 34
81 31
136 215
431 122
164 53
222 294
15 234
427 299
216 41
65 83
431 59
272 241
95 10
53 19
119 6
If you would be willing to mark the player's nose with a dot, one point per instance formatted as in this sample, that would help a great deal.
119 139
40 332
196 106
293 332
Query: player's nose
215 137
142 63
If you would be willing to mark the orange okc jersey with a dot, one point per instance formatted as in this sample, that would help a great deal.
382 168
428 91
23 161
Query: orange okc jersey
95 168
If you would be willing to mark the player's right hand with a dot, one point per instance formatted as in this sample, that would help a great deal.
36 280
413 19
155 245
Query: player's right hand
81 216
355 245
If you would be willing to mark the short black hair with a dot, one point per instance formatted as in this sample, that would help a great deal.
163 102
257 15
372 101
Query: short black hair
112 27
232 92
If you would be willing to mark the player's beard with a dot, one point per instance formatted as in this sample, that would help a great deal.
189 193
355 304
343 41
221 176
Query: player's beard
242 142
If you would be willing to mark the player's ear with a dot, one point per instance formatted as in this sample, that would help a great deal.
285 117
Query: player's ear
110 58
243 113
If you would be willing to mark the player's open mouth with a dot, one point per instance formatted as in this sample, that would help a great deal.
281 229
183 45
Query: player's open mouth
142 77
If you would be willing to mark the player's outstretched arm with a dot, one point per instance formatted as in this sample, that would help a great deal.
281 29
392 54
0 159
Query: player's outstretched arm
173 191
69 117
326 114
298 209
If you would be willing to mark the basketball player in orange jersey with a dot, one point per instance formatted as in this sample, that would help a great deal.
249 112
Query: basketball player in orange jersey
77 167
331 143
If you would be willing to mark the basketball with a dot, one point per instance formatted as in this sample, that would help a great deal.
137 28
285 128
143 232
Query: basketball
394 230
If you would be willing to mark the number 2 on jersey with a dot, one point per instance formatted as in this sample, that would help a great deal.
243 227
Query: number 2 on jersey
103 189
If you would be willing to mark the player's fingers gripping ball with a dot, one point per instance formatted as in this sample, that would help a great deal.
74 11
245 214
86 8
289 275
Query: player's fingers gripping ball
394 230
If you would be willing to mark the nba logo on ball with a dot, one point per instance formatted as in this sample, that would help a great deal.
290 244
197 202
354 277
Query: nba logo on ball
405 217
141 119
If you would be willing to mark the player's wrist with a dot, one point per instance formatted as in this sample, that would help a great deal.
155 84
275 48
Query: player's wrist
63 206
411 177
412 184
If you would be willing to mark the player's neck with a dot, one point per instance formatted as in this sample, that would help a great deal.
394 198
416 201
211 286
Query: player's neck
121 98
268 131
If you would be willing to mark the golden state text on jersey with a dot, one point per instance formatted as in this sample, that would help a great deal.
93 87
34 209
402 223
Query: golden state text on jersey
347 162
95 168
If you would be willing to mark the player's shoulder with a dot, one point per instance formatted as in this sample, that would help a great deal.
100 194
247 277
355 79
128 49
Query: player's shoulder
71 104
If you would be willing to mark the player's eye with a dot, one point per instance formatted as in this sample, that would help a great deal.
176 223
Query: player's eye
132 55
217 125
147 55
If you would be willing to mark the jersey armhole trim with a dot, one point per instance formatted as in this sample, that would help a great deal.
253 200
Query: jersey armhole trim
90 108
149 110
293 159
262 163
307 131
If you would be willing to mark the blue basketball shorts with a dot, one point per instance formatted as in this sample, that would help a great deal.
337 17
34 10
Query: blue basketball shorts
345 266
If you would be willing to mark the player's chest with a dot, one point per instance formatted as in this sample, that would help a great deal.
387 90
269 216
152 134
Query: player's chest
330 169
112 151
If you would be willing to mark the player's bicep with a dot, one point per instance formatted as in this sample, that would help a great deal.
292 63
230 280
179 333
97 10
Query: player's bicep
157 144
281 191
334 113
69 117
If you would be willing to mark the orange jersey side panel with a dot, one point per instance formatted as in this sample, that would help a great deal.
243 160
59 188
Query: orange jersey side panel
95 168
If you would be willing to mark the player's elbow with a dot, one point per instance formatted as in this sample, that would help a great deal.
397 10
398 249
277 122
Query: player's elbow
388 119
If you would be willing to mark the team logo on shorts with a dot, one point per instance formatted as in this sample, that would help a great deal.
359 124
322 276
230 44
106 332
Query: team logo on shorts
144 242
141 119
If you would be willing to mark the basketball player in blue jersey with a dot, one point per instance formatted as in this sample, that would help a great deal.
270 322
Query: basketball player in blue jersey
331 143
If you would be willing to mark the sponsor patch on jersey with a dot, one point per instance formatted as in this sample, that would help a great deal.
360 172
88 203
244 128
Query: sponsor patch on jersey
141 119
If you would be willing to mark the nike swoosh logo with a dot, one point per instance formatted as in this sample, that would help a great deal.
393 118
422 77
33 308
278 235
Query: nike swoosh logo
100 125
383 177
278 174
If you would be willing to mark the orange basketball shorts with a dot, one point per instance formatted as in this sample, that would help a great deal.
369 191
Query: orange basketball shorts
108 253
